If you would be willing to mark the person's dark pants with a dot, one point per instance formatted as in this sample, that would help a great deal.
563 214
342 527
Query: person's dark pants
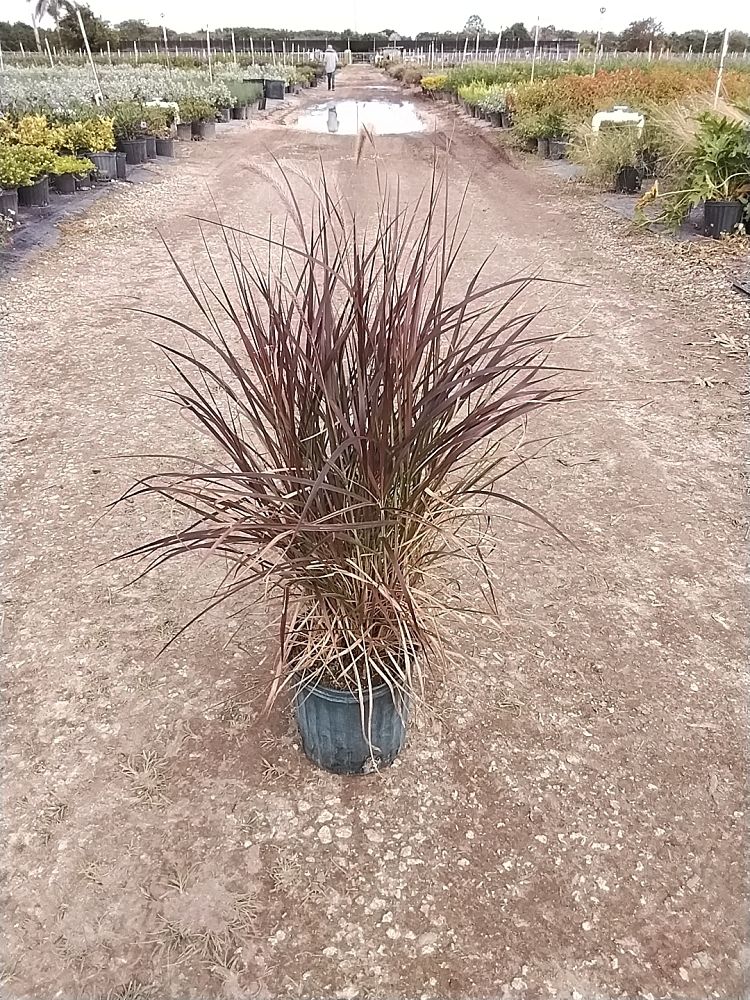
331 81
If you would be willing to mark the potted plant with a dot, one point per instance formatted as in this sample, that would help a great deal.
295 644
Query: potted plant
359 420
64 171
12 174
33 165
94 138
157 121
200 114
130 131
716 172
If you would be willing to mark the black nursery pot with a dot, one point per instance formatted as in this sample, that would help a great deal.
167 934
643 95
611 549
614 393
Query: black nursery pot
64 183
121 166
106 165
151 147
721 217
239 112
9 203
134 149
330 725
185 131
165 147
34 195
628 180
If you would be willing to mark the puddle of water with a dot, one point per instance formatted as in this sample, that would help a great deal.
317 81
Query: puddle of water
346 117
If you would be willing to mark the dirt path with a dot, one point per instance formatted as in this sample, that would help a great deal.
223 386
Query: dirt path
570 827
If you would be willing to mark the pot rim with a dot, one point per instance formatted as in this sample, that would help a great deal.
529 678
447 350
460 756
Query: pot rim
308 688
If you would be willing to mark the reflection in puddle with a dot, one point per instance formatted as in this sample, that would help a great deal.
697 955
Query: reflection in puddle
346 117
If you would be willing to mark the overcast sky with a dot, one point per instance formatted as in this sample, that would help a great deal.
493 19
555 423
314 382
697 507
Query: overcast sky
416 15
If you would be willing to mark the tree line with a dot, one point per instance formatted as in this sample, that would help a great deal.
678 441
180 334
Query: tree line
635 38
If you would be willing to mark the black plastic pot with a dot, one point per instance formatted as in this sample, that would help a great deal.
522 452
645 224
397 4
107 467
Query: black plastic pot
261 104
207 130
165 147
64 183
558 149
504 119
330 725
239 113
122 169
628 180
9 203
185 131
496 118
105 164
542 148
34 195
225 114
151 147
134 150
273 90
720 217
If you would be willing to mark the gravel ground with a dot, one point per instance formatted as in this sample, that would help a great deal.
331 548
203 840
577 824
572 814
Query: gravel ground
567 822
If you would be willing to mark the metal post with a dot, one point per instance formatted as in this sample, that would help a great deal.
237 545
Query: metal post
536 45
705 43
720 74
466 46
283 50
46 42
273 52
2 64
208 53
650 49
476 51
252 49
135 50
109 53
234 49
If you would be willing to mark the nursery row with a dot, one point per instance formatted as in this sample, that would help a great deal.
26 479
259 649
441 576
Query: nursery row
662 121
51 88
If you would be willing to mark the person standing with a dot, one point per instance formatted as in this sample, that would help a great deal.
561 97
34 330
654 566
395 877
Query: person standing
330 62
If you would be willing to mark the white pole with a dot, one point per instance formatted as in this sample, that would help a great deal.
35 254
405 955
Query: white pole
135 50
724 47
273 52
166 45
109 53
476 51
466 46
23 54
536 45
497 47
99 93
156 49
705 43
234 49
602 12
252 49
283 50
2 64
442 54
208 52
